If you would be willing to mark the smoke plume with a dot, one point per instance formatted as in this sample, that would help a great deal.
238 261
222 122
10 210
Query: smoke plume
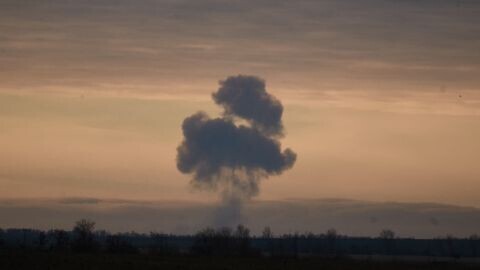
246 97
229 157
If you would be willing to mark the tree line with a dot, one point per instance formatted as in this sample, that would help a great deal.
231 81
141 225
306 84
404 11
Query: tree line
238 241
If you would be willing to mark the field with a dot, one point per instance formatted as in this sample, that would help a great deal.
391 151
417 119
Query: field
31 260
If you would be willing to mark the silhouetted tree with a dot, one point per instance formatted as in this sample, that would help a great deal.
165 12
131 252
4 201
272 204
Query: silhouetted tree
450 239
331 236
161 244
242 232
474 240
84 239
203 241
332 233
41 240
387 234
61 239
267 233
295 238
24 238
118 244
2 238
388 238
310 243
242 236
224 242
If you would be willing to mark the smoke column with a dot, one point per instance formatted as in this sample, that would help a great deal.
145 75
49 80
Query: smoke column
231 158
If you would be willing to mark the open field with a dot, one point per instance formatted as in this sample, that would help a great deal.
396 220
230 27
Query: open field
56 260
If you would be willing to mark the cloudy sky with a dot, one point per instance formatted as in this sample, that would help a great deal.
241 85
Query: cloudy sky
348 217
381 97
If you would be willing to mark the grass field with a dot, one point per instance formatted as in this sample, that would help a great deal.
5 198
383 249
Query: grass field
54 260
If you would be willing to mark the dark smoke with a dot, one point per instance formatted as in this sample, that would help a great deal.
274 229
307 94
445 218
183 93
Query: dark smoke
214 147
246 97
230 157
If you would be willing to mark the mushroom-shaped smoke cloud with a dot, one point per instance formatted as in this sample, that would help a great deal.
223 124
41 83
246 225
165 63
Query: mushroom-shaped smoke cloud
232 157
246 97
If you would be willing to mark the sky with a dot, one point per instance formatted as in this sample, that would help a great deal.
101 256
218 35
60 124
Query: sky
381 97
348 217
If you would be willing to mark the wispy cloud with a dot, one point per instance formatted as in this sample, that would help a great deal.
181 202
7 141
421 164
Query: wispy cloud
315 45
357 218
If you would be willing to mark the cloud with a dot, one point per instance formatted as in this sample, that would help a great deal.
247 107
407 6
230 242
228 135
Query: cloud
314 45
347 216
80 201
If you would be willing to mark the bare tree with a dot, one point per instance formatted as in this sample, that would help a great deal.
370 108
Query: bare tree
387 234
61 239
332 233
242 236
388 237
84 238
41 240
225 232
332 236
267 233
474 240
2 241
450 240
242 232
204 241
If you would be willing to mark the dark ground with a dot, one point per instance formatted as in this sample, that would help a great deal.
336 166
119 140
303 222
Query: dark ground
32 260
